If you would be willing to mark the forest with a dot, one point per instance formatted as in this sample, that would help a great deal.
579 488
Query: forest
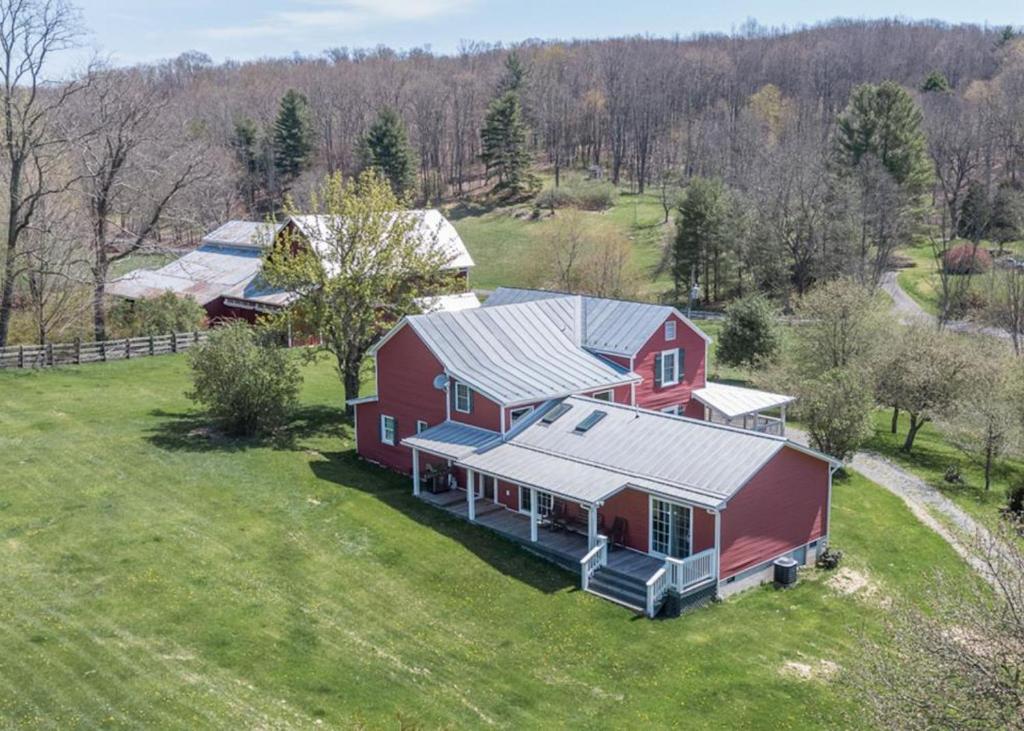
748 128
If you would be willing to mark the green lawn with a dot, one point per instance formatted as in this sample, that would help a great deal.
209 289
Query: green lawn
153 577
507 242
932 454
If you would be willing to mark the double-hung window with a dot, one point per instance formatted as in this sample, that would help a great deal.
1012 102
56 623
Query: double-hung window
463 398
388 429
670 330
669 367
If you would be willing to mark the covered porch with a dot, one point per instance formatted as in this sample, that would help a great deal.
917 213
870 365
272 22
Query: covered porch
744 408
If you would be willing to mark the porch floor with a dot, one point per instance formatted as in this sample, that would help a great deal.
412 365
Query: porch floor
563 546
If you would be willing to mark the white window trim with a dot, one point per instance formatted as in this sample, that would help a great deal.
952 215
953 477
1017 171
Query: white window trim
610 393
674 410
525 411
674 352
650 524
540 495
383 429
469 398
670 327
421 426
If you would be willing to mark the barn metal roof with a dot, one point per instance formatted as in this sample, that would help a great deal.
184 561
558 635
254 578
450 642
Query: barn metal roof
449 302
245 234
452 440
203 274
519 353
609 325
434 230
735 401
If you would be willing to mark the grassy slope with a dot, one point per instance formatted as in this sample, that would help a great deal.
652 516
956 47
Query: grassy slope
505 242
152 578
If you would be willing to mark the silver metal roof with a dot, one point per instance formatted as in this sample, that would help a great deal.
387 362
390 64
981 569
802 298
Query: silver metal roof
519 353
248 234
452 440
203 274
434 230
449 302
696 456
735 401
609 325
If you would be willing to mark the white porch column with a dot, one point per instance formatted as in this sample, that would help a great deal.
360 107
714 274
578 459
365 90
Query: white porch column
470 495
718 543
592 526
533 515
783 419
415 471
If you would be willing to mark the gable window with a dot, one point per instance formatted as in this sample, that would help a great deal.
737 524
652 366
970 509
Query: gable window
669 367
670 330
605 395
517 414
421 426
463 398
388 429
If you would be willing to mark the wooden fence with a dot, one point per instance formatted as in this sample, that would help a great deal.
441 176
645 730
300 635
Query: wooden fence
52 354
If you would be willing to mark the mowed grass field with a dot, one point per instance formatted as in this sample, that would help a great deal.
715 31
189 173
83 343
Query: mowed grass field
507 243
154 577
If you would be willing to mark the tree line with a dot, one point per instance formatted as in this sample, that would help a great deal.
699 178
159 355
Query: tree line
116 161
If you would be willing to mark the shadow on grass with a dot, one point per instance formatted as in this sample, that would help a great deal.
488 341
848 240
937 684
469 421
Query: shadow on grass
471 208
193 431
395 491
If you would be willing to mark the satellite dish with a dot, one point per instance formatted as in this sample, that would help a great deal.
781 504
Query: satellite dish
441 382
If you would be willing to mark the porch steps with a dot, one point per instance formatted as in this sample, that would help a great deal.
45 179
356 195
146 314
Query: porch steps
620 588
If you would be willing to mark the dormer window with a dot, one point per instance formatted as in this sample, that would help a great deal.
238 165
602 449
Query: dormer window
670 330
463 398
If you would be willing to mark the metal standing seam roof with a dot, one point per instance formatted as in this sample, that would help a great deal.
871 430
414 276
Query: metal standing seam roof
698 457
248 234
733 401
610 325
517 354
452 440
435 232
203 274
448 302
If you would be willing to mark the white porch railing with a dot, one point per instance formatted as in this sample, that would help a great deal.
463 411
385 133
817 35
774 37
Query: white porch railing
769 425
595 559
691 570
657 587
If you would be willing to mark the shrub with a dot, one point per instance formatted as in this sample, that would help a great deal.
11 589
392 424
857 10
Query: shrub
245 381
553 198
966 259
587 195
829 559
1015 502
837 410
167 313
751 333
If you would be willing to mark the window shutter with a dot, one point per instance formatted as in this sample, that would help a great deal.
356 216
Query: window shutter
470 392
657 370
451 394
380 427
394 423
681 363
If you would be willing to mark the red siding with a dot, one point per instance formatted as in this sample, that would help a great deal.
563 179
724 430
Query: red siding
703 530
485 413
508 494
781 508
405 373
647 395
620 394
694 409
634 506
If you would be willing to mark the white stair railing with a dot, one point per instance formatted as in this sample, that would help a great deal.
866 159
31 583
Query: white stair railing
595 559
657 587
694 569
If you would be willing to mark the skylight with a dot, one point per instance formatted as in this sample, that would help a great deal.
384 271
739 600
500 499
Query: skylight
592 418
554 413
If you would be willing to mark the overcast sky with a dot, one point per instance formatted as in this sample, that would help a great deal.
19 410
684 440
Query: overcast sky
129 31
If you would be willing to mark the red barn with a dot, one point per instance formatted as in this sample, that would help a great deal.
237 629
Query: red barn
565 423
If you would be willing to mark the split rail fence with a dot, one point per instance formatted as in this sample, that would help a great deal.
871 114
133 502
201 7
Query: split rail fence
54 354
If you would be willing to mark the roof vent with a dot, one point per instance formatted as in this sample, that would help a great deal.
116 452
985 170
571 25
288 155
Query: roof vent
555 413
587 424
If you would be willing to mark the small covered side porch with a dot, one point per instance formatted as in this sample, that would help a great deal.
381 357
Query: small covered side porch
744 408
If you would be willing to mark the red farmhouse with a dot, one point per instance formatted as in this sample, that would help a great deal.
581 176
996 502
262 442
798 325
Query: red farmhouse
584 428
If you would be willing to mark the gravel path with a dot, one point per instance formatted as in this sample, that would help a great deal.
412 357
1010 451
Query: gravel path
922 499
909 311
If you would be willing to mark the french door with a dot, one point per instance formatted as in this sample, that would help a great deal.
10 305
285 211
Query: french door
670 529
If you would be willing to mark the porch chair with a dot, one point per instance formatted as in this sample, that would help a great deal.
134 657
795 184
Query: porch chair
620 529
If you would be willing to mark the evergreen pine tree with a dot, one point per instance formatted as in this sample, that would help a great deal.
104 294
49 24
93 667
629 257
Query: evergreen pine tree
975 213
248 146
883 121
503 139
700 230
293 137
514 76
1007 223
385 148
936 82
